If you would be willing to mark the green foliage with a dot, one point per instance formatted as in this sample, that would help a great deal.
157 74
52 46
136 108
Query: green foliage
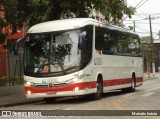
3 35
3 78
130 27
9 44
30 12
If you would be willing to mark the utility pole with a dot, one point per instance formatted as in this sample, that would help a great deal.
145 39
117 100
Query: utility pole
134 25
151 42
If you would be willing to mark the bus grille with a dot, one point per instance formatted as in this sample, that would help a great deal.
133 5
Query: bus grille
48 86
41 86
59 84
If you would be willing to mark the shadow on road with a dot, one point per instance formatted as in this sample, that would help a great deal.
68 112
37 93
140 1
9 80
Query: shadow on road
86 99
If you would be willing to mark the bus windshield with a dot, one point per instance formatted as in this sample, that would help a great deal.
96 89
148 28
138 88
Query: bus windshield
52 52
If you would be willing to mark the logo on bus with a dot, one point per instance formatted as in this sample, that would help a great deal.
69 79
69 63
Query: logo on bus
43 81
52 80
97 61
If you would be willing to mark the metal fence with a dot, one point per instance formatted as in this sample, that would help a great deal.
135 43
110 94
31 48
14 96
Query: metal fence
11 69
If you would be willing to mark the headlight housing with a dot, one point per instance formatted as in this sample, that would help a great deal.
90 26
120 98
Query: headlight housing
28 83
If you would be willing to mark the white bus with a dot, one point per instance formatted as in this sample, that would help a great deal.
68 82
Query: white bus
80 56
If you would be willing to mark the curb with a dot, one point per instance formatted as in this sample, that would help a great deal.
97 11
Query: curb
20 103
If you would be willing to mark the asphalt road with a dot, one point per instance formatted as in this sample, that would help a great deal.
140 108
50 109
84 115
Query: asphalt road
146 97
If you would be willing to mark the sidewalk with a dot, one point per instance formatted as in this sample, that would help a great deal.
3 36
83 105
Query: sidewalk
13 100
20 99
146 76
14 95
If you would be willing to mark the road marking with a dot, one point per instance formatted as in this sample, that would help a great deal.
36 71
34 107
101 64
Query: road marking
151 89
68 109
148 94
128 94
117 102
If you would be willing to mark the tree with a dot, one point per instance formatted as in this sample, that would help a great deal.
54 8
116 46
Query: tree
114 8
18 13
148 50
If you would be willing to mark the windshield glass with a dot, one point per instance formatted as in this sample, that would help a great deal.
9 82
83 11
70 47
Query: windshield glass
52 52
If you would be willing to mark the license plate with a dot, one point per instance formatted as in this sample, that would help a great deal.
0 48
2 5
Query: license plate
51 92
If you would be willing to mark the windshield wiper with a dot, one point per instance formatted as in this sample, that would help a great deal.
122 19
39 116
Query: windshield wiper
72 67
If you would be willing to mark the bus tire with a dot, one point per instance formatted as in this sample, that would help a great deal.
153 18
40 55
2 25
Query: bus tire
132 87
99 90
49 100
133 84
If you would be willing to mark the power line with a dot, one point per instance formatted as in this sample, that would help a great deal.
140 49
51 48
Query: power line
142 19
142 32
145 32
137 6
140 8
141 28
141 23
135 20
155 35
142 12
138 3
141 4
152 18
147 14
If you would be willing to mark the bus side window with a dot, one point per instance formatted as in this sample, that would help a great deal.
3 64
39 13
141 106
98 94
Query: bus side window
99 39
134 45
88 43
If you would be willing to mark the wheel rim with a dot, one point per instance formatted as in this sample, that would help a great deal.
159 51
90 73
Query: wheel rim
133 84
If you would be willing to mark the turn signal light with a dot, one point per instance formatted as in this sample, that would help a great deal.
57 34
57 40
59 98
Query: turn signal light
76 89
29 92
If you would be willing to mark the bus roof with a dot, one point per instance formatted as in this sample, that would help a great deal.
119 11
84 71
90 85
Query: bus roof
67 24
59 25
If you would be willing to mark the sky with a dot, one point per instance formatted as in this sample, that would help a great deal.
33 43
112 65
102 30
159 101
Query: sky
141 17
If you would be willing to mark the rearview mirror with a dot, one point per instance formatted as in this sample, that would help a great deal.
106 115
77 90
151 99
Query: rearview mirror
16 45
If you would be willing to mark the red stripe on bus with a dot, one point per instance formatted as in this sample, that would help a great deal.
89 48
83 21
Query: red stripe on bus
69 87
139 79
83 85
115 82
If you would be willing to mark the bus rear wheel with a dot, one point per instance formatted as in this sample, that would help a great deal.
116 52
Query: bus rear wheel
133 84
132 88
99 91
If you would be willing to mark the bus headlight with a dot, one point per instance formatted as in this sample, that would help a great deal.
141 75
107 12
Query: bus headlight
29 83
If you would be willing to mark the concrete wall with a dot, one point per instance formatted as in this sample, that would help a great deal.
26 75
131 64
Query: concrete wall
12 90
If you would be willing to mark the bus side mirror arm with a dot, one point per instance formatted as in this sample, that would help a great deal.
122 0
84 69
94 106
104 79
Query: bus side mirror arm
81 40
16 45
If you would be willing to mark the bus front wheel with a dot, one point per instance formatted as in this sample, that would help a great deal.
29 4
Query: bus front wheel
99 90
